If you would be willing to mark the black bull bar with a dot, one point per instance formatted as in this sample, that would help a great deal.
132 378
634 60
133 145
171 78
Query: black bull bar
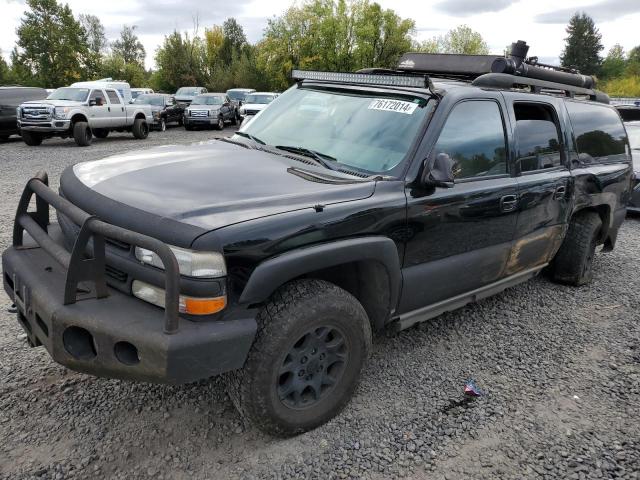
78 265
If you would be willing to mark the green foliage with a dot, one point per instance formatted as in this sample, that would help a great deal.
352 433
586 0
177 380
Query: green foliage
5 72
583 45
614 64
461 40
332 35
96 42
628 86
116 67
180 62
52 47
129 47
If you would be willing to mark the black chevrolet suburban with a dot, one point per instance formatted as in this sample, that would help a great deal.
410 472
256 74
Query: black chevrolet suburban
356 202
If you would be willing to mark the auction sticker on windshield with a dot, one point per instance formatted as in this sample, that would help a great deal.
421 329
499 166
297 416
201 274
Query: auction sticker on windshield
397 106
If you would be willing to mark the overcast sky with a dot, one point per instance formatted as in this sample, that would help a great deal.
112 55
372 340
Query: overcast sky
540 22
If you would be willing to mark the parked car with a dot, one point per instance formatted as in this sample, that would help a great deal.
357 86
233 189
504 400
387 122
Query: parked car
631 116
210 110
237 96
82 112
185 95
163 108
10 99
271 255
255 102
136 92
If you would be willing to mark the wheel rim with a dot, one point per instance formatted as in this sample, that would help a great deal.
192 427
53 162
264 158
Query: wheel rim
163 125
313 366
220 123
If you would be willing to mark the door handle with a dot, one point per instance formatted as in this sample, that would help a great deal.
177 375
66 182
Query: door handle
560 192
508 203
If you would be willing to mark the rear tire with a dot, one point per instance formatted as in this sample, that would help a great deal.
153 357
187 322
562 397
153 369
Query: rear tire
82 134
573 264
313 339
33 139
100 132
140 129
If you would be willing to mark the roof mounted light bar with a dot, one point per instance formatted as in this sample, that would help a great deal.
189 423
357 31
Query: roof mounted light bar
395 80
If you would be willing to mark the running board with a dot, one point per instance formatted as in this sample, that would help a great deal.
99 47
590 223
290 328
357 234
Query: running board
409 319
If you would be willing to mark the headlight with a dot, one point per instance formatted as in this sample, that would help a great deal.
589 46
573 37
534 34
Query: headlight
242 110
190 262
61 112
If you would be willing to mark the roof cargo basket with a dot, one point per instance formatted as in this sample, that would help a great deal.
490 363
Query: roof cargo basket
465 67
510 72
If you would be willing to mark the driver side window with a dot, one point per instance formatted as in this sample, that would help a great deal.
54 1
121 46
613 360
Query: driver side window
474 138
98 96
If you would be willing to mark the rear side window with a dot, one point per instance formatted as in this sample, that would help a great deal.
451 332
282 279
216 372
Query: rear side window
113 96
537 137
473 136
599 133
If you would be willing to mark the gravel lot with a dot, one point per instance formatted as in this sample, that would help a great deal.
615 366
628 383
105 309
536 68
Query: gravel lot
560 368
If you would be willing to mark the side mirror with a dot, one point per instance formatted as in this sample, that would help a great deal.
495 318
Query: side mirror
441 173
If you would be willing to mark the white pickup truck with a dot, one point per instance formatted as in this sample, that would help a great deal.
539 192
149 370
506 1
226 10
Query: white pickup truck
82 111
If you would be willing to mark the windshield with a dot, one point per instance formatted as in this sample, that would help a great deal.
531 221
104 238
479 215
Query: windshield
208 100
67 93
263 99
369 131
187 91
149 100
236 94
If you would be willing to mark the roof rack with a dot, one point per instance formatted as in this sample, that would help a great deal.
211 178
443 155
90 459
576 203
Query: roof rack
514 71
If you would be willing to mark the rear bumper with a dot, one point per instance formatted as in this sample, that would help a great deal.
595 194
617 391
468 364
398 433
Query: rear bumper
88 335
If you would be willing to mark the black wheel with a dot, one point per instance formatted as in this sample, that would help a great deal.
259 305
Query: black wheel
4 138
181 121
33 139
573 264
140 128
100 132
188 127
313 339
82 134
163 125
220 124
234 119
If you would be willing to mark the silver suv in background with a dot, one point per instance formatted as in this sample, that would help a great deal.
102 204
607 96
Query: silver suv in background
254 103
82 113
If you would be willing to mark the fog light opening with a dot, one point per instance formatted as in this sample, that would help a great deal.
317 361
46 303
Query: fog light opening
78 343
126 353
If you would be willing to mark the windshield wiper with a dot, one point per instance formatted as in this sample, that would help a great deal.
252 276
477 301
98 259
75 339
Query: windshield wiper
321 158
250 137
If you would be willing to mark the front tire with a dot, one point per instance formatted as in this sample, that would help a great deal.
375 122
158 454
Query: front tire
313 339
33 139
140 129
163 125
573 264
82 134
220 124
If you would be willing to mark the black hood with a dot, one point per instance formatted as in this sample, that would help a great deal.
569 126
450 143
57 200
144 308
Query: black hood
203 186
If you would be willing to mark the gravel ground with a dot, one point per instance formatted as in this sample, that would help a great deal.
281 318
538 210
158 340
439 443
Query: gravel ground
560 368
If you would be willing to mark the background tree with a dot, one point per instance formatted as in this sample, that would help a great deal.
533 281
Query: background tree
114 66
461 40
614 64
179 62
96 42
52 48
129 46
233 41
4 70
583 45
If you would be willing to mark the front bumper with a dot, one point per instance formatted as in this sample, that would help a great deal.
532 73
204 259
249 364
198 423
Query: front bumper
107 332
53 126
200 120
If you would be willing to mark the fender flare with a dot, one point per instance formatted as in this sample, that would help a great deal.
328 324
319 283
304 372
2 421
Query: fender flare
274 272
